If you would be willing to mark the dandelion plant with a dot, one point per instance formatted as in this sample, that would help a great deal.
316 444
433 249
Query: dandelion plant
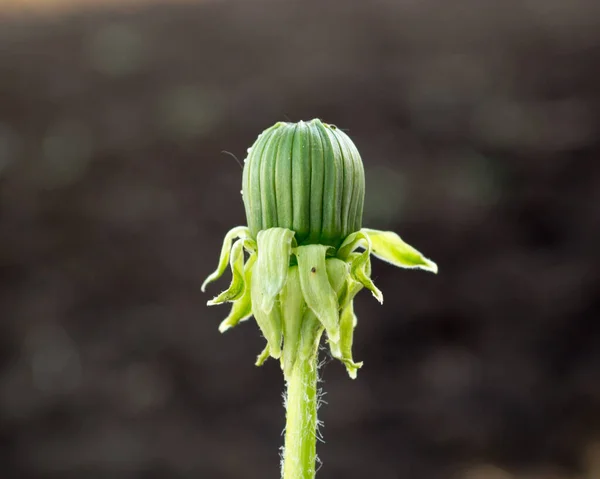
301 260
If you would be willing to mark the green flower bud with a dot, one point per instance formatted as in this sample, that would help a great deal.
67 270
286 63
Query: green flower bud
307 178
303 190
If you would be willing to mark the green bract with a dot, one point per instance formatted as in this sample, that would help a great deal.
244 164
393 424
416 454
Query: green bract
297 266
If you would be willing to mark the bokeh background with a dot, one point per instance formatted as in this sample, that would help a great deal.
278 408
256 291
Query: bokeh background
479 127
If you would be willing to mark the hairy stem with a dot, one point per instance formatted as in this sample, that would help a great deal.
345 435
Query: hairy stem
301 421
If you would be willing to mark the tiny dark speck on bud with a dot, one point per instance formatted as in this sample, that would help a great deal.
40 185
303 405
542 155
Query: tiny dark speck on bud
313 270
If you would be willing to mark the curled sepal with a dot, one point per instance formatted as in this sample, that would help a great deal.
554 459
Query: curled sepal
389 247
347 325
352 242
337 272
263 356
292 310
274 250
350 290
236 288
361 271
346 293
234 233
360 262
318 293
268 322
242 307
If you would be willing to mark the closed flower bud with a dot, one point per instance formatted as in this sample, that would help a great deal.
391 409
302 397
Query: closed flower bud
307 177
303 190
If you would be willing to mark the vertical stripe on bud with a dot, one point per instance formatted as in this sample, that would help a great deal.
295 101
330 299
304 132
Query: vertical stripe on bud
251 181
358 197
301 182
317 185
268 167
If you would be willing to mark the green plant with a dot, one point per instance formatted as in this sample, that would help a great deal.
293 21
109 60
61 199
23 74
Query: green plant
303 191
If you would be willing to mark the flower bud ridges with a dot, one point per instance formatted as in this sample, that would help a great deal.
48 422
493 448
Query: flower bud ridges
307 177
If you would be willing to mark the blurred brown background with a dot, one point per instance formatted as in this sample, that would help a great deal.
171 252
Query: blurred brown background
479 126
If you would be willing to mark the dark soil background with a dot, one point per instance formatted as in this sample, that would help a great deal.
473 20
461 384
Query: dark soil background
479 127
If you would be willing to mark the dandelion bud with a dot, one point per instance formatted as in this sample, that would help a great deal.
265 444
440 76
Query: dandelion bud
306 177
303 190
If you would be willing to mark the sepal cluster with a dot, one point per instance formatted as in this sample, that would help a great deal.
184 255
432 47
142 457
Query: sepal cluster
298 292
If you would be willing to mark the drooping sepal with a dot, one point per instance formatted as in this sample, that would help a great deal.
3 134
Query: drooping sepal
236 288
346 294
269 323
360 263
274 247
337 272
242 307
263 356
274 250
292 311
318 293
234 233
389 247
347 324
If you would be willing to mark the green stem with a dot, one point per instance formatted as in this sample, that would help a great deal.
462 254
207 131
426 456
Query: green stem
300 451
